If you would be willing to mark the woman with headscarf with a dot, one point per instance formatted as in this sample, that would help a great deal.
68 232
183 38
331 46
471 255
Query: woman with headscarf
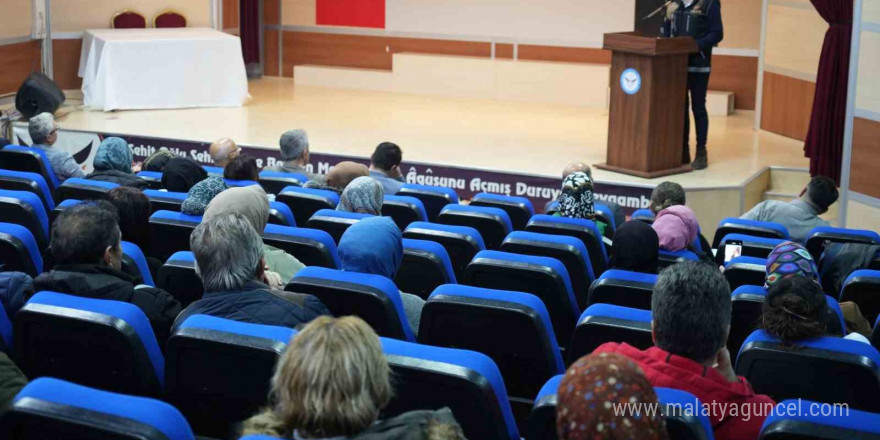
677 229
668 194
157 161
251 202
201 194
635 248
340 176
590 396
576 199
363 195
374 245
113 164
181 173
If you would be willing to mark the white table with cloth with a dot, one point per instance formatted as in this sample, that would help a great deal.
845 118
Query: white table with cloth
161 69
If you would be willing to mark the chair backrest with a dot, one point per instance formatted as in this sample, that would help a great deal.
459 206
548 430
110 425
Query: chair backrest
31 182
838 424
512 328
280 214
433 197
52 408
668 258
128 20
170 231
492 223
826 369
644 215
84 189
26 209
461 242
541 424
733 225
623 288
404 210
135 263
334 222
467 382
585 230
31 160
745 271
19 250
153 178
60 208
56 334
202 351
233 183
758 247
568 250
425 266
311 247
165 200
863 288
275 181
543 277
373 298
179 278
606 215
519 209
875 334
602 323
304 202
816 239
169 19
213 171
5 332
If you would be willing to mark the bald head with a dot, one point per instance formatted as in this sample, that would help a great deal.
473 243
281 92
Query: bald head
223 150
577 167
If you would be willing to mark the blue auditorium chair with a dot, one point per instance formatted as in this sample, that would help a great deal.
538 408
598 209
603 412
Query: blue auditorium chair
623 288
568 250
425 266
543 277
826 369
863 288
60 208
135 263
602 323
153 178
304 202
165 200
404 210
5 332
94 342
668 258
31 182
280 214
519 209
213 171
50 408
84 189
466 382
585 230
875 334
19 250
818 237
311 247
542 419
461 242
605 215
801 424
170 231
29 160
492 223
758 247
373 298
26 209
433 197
745 271
733 225
179 278
334 222
512 328
275 181
201 353
644 215
232 183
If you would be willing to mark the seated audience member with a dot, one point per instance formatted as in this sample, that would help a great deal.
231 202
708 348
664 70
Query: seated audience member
222 151
580 167
332 382
181 173
363 195
113 163
589 385
678 230
374 245
201 194
243 167
668 194
133 210
86 244
229 260
12 380
44 132
385 167
157 161
635 248
250 202
576 199
802 215
691 310
340 176
295 155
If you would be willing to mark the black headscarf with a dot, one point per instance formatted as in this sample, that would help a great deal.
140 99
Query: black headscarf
635 248
180 174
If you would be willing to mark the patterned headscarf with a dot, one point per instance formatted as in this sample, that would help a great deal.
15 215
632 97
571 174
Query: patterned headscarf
591 389
201 194
363 195
576 199
790 259
113 154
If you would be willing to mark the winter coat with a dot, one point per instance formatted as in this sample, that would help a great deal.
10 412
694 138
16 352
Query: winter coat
12 291
119 177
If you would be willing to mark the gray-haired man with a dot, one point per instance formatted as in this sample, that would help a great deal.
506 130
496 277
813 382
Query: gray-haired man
295 154
44 133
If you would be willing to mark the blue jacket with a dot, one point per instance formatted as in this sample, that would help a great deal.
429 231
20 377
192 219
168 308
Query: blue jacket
712 35
12 291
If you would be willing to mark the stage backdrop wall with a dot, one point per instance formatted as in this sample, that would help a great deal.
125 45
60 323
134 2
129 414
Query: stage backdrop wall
20 55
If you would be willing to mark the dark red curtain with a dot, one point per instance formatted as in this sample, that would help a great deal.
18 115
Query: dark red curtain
824 144
249 30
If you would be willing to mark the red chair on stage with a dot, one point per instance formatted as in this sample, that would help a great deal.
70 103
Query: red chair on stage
128 20
169 19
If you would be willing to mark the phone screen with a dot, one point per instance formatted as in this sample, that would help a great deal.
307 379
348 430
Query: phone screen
732 250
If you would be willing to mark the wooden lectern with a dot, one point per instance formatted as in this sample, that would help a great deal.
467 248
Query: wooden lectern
646 116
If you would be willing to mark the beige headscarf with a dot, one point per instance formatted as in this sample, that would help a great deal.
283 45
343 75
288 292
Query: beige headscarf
344 172
248 201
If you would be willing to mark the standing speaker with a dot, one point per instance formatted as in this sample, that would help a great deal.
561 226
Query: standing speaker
38 94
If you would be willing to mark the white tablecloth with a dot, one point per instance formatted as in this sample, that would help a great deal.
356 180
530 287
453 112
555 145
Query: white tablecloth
161 68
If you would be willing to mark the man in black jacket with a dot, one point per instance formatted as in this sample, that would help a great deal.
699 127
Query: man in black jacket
86 244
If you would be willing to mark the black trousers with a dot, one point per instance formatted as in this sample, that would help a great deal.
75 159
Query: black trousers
698 86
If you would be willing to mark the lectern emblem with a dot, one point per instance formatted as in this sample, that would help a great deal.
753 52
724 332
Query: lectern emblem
630 81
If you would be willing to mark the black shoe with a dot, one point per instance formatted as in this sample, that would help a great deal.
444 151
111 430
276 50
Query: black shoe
686 156
701 161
